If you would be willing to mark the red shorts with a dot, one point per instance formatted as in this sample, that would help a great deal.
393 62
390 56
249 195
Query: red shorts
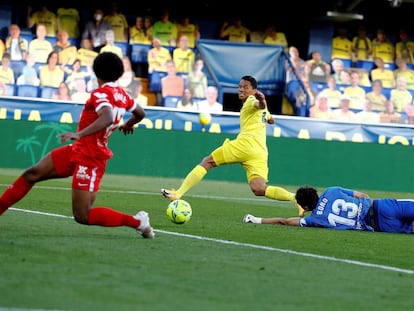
84 177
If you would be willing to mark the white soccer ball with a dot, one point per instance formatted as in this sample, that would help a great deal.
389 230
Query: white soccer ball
179 211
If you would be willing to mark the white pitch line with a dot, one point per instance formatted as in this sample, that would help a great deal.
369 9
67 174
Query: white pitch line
280 250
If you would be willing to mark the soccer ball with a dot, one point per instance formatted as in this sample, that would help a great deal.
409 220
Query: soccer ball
179 211
204 118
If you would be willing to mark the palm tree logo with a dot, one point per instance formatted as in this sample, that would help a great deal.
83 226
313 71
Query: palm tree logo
27 145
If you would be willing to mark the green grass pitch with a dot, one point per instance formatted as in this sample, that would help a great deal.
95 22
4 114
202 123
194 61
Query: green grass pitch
214 262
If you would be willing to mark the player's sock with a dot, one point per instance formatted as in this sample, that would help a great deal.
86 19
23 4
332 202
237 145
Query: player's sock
193 178
14 193
106 217
278 193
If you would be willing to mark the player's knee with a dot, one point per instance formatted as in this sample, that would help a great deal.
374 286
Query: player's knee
81 218
258 190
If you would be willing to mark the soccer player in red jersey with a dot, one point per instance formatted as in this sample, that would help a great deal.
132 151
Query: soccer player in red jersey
86 158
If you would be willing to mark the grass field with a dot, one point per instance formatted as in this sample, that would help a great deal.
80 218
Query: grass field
214 262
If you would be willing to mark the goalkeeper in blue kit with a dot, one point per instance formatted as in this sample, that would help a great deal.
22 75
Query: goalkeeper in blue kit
345 209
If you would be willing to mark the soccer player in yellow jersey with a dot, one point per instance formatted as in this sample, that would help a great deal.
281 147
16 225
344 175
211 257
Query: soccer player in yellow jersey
248 149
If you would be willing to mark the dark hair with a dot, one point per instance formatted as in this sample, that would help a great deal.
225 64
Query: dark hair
252 81
108 66
307 197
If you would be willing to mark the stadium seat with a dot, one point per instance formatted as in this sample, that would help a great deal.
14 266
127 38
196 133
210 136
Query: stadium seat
365 64
170 101
390 66
139 53
17 67
27 90
155 80
10 89
124 47
48 91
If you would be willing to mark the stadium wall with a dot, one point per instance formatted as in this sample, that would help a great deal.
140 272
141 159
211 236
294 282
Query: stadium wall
172 153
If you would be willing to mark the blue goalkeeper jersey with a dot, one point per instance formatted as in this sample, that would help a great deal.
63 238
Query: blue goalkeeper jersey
337 208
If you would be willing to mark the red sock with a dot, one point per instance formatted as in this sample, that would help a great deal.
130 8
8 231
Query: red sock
106 217
14 193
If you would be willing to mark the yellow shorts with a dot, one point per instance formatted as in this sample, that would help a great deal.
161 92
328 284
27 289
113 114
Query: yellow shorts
245 151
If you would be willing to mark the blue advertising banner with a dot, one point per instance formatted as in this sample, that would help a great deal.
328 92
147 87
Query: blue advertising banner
161 118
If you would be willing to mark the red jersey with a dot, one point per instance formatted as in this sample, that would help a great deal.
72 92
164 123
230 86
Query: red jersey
93 149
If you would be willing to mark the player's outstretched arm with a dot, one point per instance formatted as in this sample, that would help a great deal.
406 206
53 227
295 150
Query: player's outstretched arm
293 221
103 121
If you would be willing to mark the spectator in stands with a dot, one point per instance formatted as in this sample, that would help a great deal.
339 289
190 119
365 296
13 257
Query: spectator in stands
409 111
404 48
118 22
148 26
138 33
355 92
274 37
298 65
80 93
110 45
376 97
236 32
361 45
183 56
67 51
3 89
6 73
68 19
402 70
172 84
197 80
343 113
389 115
44 17
400 96
331 93
380 72
63 92
321 109
319 70
186 28
29 74
210 104
164 29
337 67
367 115
383 48
15 44
92 83
341 45
304 98
140 98
157 56
344 79
125 81
51 74
76 72
187 102
93 36
40 47
2 48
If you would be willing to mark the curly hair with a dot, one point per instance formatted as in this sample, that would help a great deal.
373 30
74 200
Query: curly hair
108 66
307 197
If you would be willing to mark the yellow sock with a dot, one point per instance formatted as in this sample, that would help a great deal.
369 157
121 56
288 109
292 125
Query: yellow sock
278 193
192 179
